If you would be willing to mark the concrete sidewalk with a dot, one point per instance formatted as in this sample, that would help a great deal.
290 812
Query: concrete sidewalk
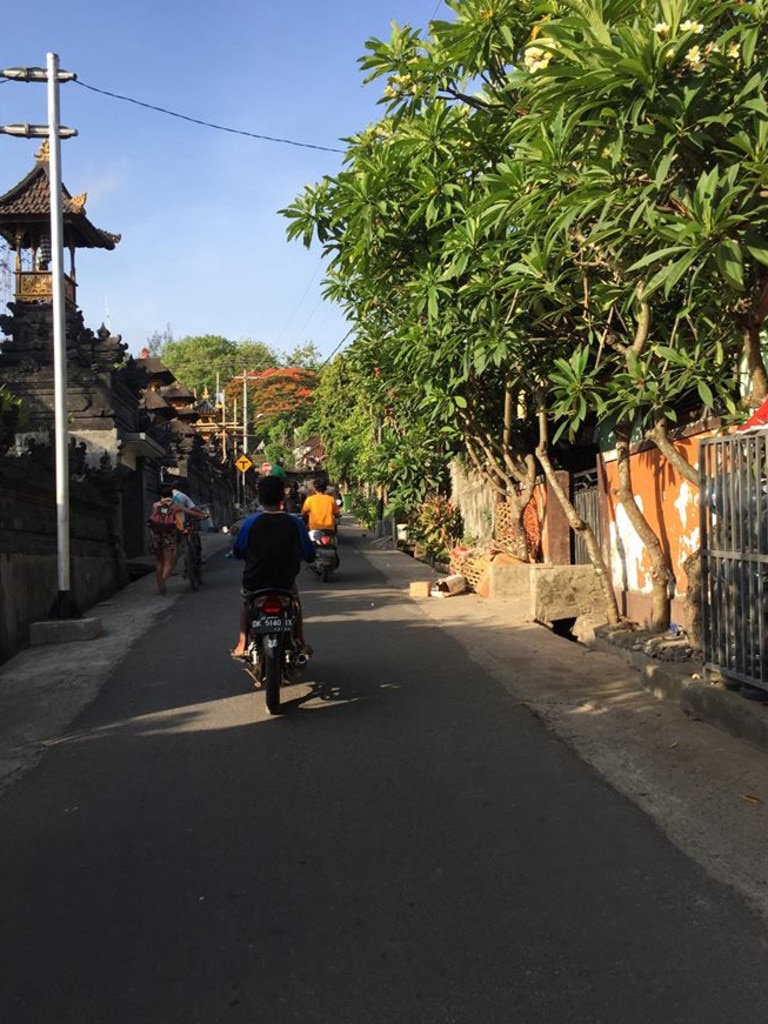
684 683
44 688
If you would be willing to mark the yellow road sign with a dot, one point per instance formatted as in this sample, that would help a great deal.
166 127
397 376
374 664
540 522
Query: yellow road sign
243 463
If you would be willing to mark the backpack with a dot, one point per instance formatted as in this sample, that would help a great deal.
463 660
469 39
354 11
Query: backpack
162 517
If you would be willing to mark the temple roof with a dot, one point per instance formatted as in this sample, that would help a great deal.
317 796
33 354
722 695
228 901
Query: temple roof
177 392
26 209
155 368
153 402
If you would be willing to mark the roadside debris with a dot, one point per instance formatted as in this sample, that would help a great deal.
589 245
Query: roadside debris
449 586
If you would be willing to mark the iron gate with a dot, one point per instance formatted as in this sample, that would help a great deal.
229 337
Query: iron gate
586 501
734 556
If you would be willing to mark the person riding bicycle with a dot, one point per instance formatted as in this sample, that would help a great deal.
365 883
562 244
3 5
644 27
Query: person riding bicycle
272 544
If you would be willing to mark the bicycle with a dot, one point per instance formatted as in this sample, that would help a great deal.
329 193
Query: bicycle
193 569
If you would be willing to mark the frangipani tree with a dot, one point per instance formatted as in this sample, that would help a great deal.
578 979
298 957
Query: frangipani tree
561 217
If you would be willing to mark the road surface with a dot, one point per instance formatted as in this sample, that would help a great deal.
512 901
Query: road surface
409 845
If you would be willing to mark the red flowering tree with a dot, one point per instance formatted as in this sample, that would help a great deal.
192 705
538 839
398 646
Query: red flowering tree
283 392
279 400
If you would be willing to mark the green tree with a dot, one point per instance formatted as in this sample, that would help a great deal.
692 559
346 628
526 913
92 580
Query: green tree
306 356
197 361
560 219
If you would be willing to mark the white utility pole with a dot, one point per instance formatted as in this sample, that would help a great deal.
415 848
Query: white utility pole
245 428
61 425
245 420
55 132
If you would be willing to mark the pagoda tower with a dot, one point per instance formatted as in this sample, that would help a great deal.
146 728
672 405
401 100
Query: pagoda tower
26 332
25 224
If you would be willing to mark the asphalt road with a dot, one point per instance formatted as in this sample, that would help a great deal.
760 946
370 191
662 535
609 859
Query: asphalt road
408 844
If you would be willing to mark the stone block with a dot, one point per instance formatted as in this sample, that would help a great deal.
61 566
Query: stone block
63 631
564 592
420 588
509 580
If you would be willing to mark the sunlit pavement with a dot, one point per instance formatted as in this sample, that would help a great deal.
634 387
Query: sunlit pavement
408 843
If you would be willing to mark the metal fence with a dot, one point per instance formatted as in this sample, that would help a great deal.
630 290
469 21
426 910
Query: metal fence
734 556
586 501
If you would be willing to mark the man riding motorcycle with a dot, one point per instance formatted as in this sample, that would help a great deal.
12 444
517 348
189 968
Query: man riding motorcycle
320 511
272 544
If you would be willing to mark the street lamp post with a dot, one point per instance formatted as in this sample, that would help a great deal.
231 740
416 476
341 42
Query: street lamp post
63 607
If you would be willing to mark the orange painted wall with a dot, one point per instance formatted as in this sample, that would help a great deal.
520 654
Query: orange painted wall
671 506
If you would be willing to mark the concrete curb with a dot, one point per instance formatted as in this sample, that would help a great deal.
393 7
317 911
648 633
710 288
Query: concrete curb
63 631
709 702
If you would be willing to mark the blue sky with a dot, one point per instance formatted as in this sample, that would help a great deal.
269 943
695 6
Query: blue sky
203 249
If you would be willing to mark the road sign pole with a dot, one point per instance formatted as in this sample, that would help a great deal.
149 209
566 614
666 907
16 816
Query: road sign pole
243 463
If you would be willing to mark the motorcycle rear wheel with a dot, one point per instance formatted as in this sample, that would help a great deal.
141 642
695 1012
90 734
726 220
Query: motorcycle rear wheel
272 677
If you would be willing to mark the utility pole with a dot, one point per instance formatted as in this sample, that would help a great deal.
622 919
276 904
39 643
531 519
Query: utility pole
245 413
245 428
63 606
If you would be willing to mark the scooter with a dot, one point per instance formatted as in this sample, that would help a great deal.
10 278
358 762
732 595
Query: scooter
326 553
272 649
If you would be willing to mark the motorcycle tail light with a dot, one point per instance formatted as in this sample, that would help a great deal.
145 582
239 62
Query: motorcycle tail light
325 540
272 606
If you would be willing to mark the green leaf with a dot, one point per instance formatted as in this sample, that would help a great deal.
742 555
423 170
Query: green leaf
654 257
760 254
705 393
729 260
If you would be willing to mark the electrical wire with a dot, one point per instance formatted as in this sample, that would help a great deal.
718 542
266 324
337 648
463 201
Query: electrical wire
206 124
298 304
330 357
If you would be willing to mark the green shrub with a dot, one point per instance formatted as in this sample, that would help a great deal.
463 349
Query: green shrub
365 510
436 524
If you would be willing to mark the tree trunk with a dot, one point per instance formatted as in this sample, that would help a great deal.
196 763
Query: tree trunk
660 437
751 351
512 475
576 522
692 566
661 571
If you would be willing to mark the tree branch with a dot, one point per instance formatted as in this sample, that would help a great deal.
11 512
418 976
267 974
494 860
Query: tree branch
659 434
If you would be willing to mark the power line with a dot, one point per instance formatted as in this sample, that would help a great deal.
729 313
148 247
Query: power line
206 124
298 304
330 357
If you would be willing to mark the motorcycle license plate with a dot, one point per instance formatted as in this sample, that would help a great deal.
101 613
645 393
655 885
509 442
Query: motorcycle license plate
273 624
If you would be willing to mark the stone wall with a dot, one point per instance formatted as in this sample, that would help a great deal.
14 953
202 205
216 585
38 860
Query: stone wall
475 498
28 547
548 593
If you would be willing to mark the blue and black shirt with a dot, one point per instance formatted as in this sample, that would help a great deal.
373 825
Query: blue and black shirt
272 545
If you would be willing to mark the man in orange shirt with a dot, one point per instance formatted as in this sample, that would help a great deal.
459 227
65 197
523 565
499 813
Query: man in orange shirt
320 511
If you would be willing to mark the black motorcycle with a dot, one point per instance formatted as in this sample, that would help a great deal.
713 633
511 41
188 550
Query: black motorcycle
326 553
271 649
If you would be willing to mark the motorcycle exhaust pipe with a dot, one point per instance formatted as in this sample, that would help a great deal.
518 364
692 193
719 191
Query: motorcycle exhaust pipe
302 659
